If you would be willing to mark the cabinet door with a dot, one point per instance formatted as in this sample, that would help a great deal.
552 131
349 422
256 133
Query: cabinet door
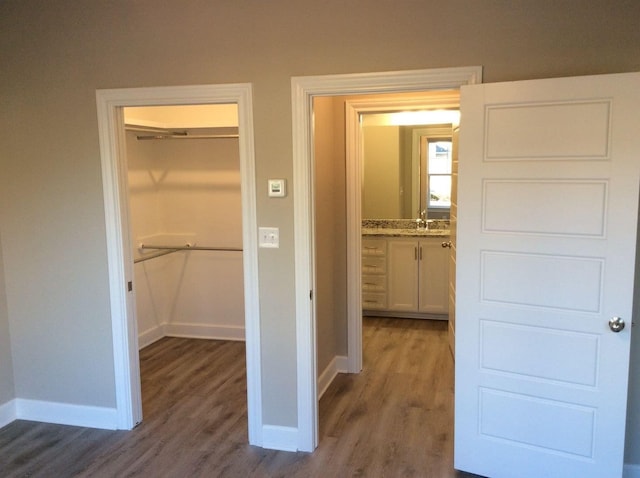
403 275
433 276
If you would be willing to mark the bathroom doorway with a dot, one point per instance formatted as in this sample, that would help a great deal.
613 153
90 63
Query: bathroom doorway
304 90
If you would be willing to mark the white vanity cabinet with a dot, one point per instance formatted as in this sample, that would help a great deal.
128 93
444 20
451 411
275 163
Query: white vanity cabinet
418 272
405 276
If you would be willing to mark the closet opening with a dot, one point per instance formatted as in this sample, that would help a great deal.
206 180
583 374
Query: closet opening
185 223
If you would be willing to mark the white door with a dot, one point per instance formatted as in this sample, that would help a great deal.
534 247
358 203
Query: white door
548 200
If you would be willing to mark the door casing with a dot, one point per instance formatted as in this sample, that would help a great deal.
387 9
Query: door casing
304 89
110 104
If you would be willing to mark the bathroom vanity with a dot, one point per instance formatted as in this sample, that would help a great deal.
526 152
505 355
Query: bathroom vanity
405 270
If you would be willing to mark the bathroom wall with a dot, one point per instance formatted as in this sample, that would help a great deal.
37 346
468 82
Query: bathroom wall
187 191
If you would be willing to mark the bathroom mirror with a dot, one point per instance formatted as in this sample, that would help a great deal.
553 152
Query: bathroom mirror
406 169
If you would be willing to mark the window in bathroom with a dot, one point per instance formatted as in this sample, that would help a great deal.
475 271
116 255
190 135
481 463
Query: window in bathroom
439 154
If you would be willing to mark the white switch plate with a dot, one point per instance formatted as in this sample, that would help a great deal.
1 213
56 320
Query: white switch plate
269 237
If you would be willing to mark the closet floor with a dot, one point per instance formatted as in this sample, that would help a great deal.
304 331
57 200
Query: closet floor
393 419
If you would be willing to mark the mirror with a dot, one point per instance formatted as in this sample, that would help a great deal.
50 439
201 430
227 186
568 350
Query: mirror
406 169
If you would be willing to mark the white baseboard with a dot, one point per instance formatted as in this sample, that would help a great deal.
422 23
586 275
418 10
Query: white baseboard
339 364
191 331
66 414
7 412
150 336
631 471
279 438
205 331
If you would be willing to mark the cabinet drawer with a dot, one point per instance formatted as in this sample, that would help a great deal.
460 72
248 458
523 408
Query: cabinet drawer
374 265
374 247
372 300
374 283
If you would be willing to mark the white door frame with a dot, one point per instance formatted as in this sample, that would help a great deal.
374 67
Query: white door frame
110 104
304 89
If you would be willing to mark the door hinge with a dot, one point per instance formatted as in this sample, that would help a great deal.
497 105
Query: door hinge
310 295
129 286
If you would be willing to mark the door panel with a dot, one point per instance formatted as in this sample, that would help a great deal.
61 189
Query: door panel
547 213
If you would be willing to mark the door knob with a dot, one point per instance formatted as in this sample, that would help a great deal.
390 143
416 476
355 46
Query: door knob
447 244
616 324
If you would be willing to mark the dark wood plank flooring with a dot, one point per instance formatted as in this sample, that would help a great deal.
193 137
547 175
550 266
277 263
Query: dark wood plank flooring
395 419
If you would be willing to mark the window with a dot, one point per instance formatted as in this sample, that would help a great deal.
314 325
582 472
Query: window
439 174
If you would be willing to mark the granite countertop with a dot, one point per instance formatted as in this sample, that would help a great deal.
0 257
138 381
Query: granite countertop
405 232
404 228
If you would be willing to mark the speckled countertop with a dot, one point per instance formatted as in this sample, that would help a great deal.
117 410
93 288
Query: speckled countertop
403 228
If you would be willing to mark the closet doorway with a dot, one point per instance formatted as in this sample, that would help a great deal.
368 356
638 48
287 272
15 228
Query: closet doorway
185 210
166 243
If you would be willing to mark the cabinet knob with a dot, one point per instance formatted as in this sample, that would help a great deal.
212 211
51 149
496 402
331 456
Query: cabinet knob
447 244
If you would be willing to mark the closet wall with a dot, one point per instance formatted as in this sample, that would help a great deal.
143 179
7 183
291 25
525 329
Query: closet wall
187 190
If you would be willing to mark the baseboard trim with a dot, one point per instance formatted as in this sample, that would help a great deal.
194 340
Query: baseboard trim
405 315
631 471
150 336
279 438
66 414
205 331
191 331
339 364
7 412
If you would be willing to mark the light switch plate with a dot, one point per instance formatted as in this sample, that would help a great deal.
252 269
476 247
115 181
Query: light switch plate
269 237
277 188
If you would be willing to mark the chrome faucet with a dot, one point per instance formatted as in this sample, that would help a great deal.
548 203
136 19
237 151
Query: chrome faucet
422 222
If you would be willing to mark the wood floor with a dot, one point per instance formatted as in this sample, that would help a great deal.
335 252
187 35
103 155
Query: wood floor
392 420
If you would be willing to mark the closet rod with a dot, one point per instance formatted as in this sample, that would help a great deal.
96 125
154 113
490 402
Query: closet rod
188 247
187 136
153 256
153 130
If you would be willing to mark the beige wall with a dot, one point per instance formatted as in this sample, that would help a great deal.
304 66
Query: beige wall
6 363
330 233
55 55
